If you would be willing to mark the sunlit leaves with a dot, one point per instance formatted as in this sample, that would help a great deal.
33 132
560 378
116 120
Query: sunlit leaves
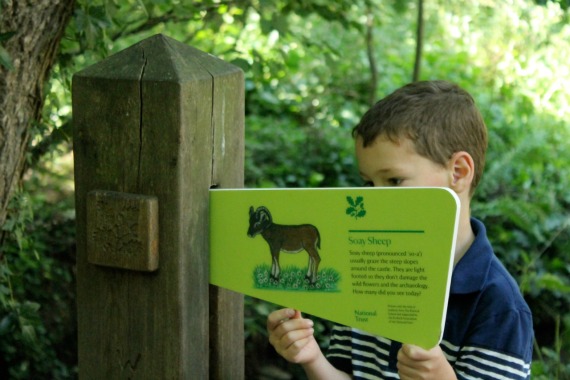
307 84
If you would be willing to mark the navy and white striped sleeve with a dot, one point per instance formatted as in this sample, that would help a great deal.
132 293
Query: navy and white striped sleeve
340 350
501 349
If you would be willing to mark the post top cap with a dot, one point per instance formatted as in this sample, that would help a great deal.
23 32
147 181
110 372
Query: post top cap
159 58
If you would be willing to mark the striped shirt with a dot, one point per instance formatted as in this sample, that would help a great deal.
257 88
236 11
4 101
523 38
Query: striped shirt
488 330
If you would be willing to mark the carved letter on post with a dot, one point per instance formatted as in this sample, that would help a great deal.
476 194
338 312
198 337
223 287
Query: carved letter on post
122 230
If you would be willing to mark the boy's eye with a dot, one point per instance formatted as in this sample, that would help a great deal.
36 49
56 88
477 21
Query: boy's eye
368 184
395 181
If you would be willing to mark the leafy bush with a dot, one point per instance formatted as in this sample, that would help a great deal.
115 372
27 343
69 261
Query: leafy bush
37 281
513 70
282 154
524 201
308 80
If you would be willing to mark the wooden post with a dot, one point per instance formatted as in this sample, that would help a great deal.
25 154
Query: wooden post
155 126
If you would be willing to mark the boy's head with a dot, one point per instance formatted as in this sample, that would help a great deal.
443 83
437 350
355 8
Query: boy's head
438 117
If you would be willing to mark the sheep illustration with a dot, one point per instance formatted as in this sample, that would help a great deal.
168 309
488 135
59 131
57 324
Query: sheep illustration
286 238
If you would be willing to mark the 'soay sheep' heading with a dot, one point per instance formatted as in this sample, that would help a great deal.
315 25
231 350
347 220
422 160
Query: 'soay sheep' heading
371 240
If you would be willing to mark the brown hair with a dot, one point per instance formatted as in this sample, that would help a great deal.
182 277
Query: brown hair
438 116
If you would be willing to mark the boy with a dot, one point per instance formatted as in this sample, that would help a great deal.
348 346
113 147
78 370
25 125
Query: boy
427 134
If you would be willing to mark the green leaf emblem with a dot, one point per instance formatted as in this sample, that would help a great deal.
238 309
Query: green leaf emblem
356 207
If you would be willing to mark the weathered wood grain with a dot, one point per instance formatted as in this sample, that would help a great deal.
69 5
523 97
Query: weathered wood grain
165 120
122 230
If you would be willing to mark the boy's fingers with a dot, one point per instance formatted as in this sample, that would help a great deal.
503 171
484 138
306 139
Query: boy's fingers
410 351
294 339
288 325
416 353
294 348
279 316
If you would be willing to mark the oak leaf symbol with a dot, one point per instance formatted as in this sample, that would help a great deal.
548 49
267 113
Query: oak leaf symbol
356 207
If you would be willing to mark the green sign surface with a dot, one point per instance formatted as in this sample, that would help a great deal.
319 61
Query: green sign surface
376 259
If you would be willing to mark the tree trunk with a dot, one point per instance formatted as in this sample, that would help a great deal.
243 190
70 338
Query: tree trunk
38 27
371 56
419 42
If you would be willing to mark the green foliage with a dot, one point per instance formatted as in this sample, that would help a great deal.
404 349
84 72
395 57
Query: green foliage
514 70
37 312
551 363
525 193
293 278
308 81
280 153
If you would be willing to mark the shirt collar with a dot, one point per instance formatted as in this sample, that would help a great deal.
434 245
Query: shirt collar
471 271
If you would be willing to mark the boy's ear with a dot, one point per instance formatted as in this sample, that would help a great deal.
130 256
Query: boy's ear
462 169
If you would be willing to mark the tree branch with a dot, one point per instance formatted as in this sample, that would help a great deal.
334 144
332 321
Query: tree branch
419 41
170 16
371 58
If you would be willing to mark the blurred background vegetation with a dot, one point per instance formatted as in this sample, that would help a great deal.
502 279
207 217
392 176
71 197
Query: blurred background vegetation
312 68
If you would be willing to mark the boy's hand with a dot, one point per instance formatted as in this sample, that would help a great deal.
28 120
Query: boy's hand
292 336
416 363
